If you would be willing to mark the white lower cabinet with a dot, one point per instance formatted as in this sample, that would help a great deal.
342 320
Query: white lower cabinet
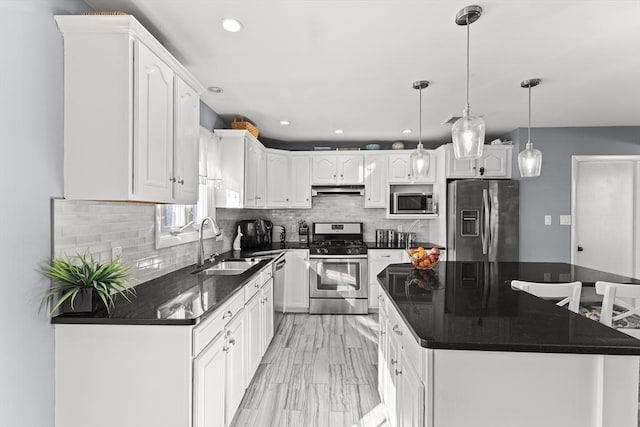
409 411
208 375
235 366
253 330
296 276
379 259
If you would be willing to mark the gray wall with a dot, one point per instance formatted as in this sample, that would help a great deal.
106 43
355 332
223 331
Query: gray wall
209 119
31 173
550 193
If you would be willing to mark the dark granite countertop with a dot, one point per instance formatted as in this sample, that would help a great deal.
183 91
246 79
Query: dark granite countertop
177 298
471 306
426 245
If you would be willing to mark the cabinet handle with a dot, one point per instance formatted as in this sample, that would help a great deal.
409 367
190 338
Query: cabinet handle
334 175
307 199
227 315
257 285
181 182
379 297
172 179
398 372
393 362
232 342
385 256
225 349
369 199
397 330
286 200
341 175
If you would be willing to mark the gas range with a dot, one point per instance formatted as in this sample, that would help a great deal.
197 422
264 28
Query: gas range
331 238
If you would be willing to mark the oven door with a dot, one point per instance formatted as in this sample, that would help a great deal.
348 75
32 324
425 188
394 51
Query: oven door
338 276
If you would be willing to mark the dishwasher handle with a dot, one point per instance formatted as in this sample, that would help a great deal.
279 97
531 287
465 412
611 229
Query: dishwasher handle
280 265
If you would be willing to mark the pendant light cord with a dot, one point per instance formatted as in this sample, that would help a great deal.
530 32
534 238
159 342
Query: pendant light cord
468 25
420 119
529 133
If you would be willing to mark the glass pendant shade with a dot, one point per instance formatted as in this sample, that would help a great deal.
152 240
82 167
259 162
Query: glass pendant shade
468 136
419 162
530 161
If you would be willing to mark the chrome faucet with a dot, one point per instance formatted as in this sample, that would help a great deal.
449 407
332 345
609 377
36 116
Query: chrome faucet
216 231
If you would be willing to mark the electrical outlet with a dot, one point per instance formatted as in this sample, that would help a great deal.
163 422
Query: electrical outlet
221 236
547 220
565 219
116 252
399 228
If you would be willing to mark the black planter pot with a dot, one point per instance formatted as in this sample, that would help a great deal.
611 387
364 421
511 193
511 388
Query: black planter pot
87 301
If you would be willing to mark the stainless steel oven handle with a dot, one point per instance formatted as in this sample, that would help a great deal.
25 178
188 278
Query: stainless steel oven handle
344 257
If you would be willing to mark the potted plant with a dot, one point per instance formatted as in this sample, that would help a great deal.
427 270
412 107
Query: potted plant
80 287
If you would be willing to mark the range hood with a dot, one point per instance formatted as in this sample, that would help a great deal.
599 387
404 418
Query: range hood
334 190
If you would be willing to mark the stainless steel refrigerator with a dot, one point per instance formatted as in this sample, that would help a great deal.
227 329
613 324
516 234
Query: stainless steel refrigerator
483 220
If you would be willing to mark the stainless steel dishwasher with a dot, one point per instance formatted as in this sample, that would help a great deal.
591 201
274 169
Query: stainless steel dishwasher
278 290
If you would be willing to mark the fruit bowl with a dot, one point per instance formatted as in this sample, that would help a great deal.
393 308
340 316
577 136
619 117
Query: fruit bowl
423 259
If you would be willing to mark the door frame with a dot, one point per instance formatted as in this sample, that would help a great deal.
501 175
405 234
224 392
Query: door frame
575 160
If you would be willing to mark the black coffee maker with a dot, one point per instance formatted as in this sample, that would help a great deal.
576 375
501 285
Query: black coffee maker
256 233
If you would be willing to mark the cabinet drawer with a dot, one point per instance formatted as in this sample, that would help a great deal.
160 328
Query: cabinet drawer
266 274
213 324
252 288
410 348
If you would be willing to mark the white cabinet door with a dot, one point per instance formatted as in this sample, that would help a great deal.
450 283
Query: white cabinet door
278 180
410 412
495 162
300 182
235 365
383 361
296 288
255 174
399 168
350 170
253 334
267 315
463 168
375 182
379 259
185 147
391 383
153 127
261 178
209 393
324 170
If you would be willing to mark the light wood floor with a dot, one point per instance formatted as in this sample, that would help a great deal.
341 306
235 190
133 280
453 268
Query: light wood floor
320 370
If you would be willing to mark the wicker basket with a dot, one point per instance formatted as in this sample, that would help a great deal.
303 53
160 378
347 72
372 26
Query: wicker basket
240 123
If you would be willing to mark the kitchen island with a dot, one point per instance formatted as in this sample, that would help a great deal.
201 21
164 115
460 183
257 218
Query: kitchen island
475 352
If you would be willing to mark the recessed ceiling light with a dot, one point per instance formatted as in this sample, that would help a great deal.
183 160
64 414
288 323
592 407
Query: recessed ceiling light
215 89
284 122
407 131
338 131
230 24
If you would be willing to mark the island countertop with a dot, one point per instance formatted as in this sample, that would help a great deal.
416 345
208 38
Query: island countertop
471 306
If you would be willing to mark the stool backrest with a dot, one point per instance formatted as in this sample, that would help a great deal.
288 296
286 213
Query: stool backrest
569 293
625 297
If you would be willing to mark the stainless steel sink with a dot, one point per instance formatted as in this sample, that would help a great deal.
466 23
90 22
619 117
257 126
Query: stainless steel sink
230 268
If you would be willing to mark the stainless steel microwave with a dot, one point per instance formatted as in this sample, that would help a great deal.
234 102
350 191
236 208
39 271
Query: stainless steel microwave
412 203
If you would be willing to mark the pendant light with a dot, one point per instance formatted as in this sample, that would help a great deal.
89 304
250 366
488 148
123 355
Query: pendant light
530 159
420 157
468 131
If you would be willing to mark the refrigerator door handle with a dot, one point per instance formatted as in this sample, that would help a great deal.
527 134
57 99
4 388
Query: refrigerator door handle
485 230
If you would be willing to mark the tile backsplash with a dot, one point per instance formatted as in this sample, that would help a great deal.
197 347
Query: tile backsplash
97 227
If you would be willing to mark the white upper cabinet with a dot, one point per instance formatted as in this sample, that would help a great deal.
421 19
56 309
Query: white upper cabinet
375 181
131 113
338 170
494 163
278 179
185 142
300 182
400 169
255 173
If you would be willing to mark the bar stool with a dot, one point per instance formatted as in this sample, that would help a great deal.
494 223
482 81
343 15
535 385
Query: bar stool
620 306
569 292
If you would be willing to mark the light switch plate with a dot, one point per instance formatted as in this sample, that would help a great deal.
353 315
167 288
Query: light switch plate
565 219
547 220
116 252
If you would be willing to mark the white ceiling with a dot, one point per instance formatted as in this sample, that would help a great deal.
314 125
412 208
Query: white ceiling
347 64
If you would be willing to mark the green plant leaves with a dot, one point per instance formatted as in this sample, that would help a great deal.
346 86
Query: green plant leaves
70 277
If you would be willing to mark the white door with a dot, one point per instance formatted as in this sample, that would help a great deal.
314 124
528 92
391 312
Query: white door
185 143
296 277
153 126
235 365
267 315
300 182
375 182
410 412
350 170
324 170
253 333
277 180
399 168
604 215
209 376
